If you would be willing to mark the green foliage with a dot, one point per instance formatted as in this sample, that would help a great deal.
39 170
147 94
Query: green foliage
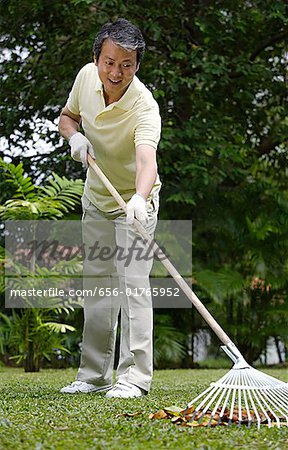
219 285
252 309
218 70
169 343
31 202
30 336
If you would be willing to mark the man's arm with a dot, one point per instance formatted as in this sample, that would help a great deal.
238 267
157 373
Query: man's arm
68 123
146 172
68 128
146 169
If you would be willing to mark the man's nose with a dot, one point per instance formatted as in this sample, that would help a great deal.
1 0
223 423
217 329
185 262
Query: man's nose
116 71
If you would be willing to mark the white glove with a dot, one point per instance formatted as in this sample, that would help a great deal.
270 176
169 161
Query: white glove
136 207
80 147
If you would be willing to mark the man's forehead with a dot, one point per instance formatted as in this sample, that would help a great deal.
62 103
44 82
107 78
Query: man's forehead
111 50
124 60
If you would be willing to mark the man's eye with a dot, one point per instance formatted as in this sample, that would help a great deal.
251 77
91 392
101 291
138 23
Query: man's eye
126 65
109 63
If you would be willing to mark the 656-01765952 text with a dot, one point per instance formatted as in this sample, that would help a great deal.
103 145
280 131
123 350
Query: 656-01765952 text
99 291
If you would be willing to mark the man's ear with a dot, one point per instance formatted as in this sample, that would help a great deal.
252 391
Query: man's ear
137 68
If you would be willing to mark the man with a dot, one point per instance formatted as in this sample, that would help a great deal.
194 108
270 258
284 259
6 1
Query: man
121 130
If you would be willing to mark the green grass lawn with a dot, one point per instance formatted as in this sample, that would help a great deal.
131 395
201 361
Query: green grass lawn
34 415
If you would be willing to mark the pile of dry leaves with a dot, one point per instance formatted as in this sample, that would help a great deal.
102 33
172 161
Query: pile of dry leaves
188 418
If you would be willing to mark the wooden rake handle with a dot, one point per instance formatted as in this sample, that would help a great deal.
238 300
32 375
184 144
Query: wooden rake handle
164 260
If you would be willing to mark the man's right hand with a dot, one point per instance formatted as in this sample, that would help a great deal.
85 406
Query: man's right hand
80 147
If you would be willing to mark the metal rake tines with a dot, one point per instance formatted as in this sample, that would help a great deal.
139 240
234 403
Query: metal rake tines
242 396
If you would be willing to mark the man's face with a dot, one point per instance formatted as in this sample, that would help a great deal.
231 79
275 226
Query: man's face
116 68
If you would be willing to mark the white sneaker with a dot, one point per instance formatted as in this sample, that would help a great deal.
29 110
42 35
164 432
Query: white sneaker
82 386
124 390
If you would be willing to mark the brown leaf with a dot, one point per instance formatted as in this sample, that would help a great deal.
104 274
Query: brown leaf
235 418
129 414
188 411
205 421
158 415
178 419
188 417
174 411
199 415
223 424
213 423
193 424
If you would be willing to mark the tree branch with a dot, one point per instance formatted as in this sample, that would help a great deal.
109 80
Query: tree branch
267 43
267 145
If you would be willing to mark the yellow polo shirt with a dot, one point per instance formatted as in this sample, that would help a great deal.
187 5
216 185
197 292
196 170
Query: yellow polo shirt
114 132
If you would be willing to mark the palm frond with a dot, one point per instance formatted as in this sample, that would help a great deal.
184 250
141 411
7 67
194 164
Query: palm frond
219 285
22 183
169 343
55 327
60 189
31 202
18 209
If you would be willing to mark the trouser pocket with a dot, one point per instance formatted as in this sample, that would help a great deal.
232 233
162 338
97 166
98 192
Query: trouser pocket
85 205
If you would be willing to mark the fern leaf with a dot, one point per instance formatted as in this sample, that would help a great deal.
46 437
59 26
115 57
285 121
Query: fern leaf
15 175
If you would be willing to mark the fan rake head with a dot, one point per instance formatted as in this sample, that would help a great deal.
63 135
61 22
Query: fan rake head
243 396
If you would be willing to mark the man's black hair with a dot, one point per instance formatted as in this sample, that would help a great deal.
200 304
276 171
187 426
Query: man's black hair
122 33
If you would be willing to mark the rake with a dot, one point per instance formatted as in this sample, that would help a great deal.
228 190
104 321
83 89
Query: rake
244 395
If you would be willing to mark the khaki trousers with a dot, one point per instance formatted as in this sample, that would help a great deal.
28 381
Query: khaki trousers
116 278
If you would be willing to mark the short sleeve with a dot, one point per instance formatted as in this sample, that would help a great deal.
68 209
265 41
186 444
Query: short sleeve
148 127
73 99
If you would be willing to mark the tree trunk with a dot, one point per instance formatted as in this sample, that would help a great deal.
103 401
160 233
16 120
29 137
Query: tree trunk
32 362
277 344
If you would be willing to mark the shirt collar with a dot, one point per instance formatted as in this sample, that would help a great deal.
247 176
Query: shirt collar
98 84
127 101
